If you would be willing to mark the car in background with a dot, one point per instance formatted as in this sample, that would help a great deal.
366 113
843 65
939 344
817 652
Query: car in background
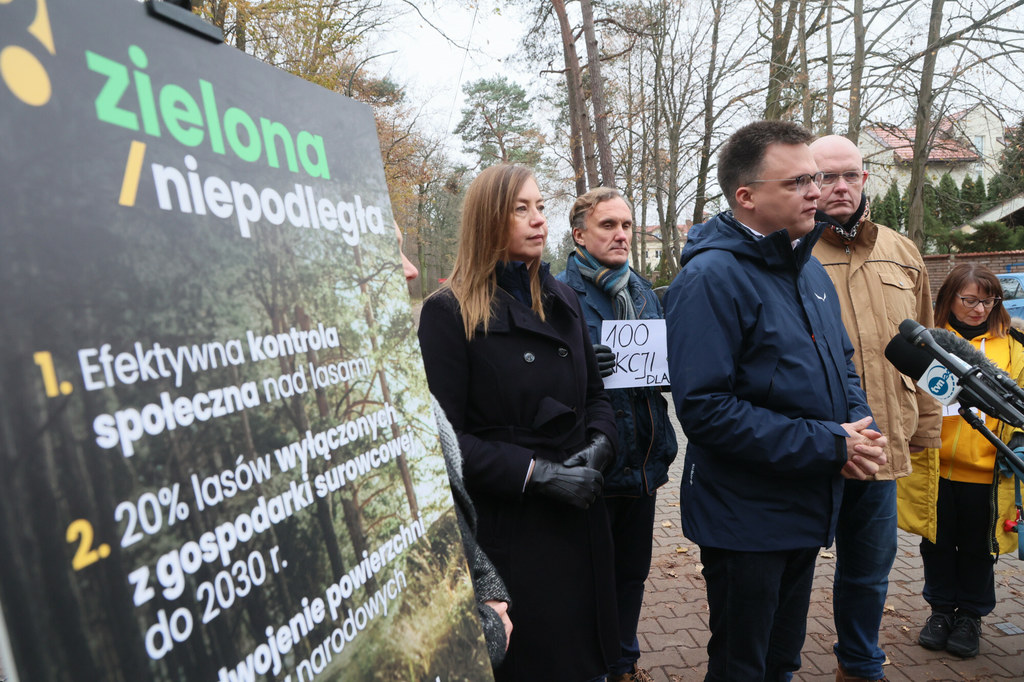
1013 292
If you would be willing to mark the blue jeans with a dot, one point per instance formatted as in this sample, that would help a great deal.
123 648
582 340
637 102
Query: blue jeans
866 548
632 521
757 608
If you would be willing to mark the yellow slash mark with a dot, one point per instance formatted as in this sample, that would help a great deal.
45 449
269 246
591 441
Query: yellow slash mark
40 27
132 169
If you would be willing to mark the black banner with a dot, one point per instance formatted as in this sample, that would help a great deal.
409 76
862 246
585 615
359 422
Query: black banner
218 457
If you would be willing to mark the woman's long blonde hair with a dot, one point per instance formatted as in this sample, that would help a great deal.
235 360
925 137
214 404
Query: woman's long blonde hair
484 236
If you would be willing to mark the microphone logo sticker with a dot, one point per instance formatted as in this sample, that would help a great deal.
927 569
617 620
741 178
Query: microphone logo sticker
940 383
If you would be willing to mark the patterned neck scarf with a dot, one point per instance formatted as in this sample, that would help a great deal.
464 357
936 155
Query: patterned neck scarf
612 281
847 231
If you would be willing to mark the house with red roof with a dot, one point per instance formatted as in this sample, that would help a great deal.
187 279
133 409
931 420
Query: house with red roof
965 142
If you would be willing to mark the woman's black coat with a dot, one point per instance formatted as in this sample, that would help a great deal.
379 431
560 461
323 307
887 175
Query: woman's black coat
531 389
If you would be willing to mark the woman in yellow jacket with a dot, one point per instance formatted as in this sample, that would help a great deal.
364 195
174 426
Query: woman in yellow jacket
959 576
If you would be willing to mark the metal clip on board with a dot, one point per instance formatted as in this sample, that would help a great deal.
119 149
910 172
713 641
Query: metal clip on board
179 12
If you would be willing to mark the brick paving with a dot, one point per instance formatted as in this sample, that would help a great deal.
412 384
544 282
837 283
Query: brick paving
673 630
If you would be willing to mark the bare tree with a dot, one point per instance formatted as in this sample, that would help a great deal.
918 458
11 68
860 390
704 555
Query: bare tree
581 136
724 93
597 99
782 14
631 144
804 81
922 123
924 115
856 74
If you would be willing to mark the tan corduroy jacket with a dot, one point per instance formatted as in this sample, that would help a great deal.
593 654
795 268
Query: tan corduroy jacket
881 280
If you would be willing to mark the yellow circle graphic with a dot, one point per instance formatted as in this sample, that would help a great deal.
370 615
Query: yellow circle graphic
24 75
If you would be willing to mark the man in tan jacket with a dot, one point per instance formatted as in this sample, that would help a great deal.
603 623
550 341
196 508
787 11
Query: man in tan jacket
881 280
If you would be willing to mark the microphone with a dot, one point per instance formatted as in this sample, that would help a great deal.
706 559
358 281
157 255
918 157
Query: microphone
963 349
917 334
981 385
917 363
907 358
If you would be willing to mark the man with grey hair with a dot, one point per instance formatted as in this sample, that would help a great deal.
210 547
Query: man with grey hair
766 391
608 289
881 280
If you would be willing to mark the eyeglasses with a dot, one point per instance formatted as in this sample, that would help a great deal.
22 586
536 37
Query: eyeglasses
850 177
802 183
970 302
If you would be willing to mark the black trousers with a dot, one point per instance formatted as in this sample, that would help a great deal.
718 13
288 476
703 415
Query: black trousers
757 603
959 570
632 521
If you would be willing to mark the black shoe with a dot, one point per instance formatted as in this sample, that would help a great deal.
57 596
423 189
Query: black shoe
965 636
936 630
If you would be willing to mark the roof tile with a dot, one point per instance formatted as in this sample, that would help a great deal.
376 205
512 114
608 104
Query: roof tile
901 141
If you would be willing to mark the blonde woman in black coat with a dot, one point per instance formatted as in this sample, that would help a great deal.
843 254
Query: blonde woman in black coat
508 357
491 594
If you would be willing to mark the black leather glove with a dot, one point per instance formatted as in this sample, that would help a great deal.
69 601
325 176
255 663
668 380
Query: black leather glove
597 454
605 359
576 485
1016 441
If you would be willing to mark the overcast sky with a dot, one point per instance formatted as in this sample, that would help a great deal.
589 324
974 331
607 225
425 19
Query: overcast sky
434 70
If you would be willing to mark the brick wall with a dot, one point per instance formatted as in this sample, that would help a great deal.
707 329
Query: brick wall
939 265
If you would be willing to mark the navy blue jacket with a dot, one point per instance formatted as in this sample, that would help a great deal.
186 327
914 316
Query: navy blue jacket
763 378
647 441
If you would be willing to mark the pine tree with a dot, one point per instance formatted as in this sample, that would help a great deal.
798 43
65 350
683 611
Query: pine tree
972 197
496 124
890 210
948 202
1011 162
967 196
999 189
937 237
1009 181
990 236
980 195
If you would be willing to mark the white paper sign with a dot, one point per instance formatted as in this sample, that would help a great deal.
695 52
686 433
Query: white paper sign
640 353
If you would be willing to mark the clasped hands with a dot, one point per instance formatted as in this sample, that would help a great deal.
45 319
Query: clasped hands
577 480
865 450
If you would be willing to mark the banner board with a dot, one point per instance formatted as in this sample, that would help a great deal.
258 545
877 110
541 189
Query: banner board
218 456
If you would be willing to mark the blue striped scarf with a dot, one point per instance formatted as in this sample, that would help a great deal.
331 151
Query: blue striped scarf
613 282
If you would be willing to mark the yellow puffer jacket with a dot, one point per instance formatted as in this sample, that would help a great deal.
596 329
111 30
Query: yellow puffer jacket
965 456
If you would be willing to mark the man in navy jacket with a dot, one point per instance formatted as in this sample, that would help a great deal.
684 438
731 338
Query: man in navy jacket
598 271
767 393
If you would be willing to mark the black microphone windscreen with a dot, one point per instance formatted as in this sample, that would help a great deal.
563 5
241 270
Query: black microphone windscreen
906 357
962 348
